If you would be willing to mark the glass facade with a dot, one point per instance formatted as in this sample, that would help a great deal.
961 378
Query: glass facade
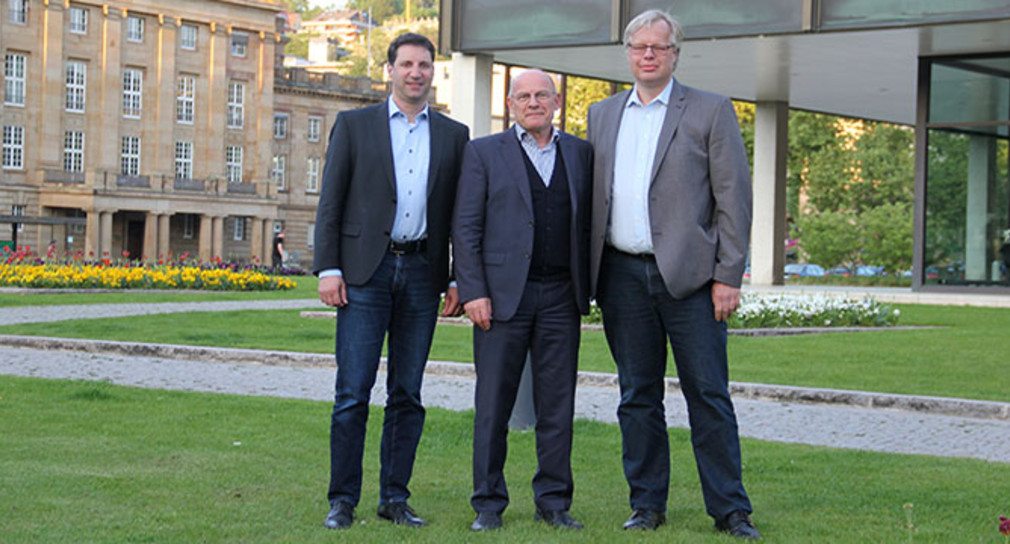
519 24
729 17
967 197
838 14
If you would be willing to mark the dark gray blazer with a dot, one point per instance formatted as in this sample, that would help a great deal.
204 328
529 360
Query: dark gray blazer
492 232
358 201
700 197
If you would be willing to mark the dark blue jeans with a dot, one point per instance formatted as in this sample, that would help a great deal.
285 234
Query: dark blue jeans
398 299
638 316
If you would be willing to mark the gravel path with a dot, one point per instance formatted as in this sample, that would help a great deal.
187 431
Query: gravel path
15 315
895 431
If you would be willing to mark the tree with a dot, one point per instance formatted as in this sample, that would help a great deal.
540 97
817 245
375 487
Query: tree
381 9
829 238
886 236
581 93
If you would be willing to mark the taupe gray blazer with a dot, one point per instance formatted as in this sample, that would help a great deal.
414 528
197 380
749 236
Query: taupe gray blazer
700 196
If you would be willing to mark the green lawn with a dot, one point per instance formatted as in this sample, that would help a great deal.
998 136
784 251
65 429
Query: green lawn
90 462
966 358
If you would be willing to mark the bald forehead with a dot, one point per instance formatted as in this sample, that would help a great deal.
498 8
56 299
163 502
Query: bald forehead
530 76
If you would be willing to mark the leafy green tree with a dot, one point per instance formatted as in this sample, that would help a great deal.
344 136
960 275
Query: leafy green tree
581 93
829 238
886 236
381 9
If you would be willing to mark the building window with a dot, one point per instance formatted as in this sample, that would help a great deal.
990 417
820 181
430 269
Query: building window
77 74
239 44
236 104
315 124
134 29
187 37
185 95
133 83
131 155
78 20
281 125
14 147
184 160
18 211
73 151
233 163
188 226
14 79
310 236
18 11
279 171
239 232
312 175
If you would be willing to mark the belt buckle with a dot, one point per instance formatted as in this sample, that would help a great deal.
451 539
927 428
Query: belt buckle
399 252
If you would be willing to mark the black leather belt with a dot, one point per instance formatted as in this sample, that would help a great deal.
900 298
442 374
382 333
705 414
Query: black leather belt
639 256
404 248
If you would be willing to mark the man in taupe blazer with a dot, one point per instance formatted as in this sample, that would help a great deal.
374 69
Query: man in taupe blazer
671 223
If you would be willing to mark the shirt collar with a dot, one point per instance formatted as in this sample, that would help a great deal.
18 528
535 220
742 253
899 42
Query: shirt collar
394 110
663 98
520 132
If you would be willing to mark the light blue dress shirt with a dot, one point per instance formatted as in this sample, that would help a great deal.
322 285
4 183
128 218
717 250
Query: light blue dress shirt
411 145
637 139
543 158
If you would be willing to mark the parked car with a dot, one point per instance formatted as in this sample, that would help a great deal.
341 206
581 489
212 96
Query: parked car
840 271
803 270
864 270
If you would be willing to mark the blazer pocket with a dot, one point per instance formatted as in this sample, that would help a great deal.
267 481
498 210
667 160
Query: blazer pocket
351 230
494 258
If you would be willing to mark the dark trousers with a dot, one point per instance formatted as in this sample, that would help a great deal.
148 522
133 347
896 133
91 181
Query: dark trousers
546 324
638 316
398 299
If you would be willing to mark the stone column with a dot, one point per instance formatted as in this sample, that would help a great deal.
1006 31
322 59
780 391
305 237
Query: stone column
151 237
160 133
210 139
92 238
471 92
108 74
768 233
105 244
51 100
268 240
164 236
218 236
256 242
206 249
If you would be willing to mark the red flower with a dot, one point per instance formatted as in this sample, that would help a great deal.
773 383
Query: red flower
1004 525
126 254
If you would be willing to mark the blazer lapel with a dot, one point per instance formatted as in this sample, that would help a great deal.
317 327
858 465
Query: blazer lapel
435 141
572 170
674 112
385 144
611 121
512 155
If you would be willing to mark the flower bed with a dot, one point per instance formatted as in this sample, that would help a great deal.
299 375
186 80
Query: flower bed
780 310
759 311
106 275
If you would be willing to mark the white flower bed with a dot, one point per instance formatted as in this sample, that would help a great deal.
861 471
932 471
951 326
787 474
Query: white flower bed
781 310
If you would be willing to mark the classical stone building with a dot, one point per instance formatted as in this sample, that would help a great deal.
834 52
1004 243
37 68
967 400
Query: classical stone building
171 126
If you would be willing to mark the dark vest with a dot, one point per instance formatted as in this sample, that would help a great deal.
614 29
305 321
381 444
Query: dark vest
552 217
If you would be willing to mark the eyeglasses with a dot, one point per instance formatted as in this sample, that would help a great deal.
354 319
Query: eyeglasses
658 50
542 96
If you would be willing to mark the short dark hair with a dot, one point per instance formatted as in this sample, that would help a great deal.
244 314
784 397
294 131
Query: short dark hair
409 38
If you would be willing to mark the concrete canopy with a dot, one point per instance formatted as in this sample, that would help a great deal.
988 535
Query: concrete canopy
859 73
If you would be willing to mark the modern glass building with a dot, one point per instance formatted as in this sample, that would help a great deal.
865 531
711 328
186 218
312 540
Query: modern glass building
942 66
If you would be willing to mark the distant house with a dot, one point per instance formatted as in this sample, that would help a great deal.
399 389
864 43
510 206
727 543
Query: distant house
344 27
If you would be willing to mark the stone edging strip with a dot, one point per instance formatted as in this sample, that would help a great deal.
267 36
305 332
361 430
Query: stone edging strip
776 393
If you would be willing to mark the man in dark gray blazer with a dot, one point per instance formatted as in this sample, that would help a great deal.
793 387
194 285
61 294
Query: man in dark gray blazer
520 251
671 224
382 256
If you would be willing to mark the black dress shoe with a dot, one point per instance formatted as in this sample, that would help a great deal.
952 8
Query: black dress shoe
644 520
739 525
400 514
557 518
486 521
341 516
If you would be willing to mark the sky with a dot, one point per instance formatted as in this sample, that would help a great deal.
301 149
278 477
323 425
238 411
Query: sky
338 4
